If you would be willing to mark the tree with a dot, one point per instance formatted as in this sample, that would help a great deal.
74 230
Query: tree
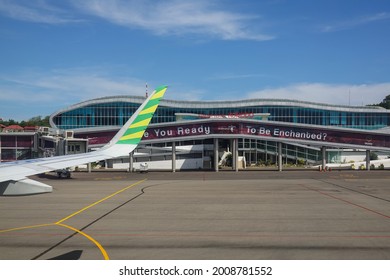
34 121
385 102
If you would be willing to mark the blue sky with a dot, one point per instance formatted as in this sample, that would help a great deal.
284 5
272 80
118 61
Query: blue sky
56 53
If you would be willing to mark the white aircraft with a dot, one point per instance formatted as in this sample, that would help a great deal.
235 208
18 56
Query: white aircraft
13 175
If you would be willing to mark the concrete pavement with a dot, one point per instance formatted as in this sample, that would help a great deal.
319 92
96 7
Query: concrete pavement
202 215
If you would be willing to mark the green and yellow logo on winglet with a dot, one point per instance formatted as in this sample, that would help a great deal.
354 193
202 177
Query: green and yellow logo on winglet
137 128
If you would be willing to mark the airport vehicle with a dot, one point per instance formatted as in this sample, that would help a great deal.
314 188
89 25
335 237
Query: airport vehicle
144 167
63 173
13 175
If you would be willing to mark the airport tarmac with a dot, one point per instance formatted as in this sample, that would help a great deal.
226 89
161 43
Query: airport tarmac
202 215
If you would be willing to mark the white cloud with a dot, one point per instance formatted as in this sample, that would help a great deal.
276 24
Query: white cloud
343 94
36 11
34 93
356 22
174 17
169 17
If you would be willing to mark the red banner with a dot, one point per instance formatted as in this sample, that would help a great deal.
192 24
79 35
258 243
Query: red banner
270 130
262 130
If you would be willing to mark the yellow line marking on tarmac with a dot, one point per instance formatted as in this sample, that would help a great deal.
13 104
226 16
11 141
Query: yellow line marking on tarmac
104 253
27 227
102 250
101 200
59 223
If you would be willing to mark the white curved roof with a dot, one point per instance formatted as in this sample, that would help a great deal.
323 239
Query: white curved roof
227 104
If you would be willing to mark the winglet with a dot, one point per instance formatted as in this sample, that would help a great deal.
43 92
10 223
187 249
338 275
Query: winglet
137 125
136 129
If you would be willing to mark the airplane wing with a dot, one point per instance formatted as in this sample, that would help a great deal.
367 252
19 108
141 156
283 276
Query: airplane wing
13 175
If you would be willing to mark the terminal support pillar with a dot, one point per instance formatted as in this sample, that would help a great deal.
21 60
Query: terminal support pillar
280 161
216 158
109 163
368 160
173 156
235 154
89 167
323 151
131 161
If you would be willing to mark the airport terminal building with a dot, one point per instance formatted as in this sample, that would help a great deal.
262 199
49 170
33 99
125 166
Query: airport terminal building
209 134
202 134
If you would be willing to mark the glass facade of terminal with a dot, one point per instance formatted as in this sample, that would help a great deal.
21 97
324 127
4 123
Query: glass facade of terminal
117 113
